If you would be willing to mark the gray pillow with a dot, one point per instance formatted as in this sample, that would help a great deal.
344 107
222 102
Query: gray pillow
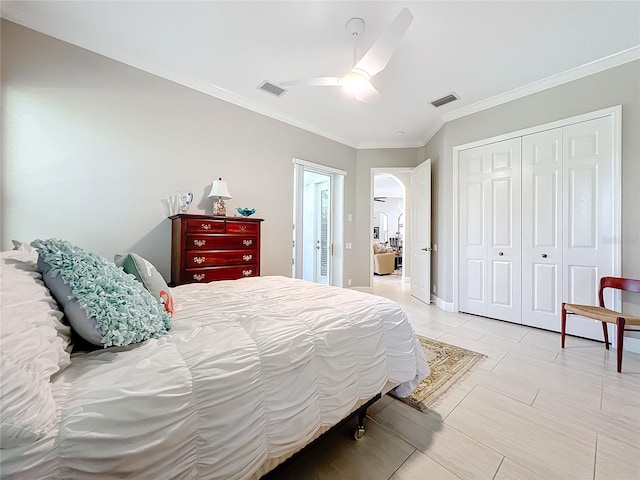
148 275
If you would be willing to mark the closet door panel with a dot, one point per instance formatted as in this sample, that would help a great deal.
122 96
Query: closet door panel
545 220
544 299
582 285
504 250
588 217
502 288
582 208
489 246
542 228
473 245
475 280
502 213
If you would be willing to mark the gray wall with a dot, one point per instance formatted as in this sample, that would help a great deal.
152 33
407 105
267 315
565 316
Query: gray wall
616 86
90 146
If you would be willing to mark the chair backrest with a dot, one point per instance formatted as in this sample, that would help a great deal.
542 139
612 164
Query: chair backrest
626 284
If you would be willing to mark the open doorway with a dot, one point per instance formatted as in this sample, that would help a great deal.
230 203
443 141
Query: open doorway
388 224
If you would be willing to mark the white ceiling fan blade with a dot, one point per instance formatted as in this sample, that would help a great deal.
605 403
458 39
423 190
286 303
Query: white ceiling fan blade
381 51
313 82
367 93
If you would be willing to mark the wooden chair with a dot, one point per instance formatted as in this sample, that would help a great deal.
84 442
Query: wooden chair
604 314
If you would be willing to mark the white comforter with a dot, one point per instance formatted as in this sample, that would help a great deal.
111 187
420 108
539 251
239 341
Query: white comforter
251 371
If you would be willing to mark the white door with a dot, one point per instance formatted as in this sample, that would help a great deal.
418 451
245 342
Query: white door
542 229
421 231
490 231
588 204
313 224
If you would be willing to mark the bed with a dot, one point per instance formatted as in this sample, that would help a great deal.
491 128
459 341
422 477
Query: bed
251 371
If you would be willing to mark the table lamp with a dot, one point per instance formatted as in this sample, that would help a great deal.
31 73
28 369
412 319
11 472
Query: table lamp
220 191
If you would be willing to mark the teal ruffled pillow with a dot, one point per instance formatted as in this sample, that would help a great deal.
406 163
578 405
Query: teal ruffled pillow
103 304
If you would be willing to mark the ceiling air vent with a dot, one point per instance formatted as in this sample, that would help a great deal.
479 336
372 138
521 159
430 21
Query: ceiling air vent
444 100
272 89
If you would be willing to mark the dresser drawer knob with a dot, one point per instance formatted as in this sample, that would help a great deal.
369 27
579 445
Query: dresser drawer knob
247 243
243 228
247 258
198 276
199 243
205 226
199 260
246 273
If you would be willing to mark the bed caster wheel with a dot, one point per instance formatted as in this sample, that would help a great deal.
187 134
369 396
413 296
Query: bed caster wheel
359 433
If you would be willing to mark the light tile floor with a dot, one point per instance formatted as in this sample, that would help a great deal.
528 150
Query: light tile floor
529 410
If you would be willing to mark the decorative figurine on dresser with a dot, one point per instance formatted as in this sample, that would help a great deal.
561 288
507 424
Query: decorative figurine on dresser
212 247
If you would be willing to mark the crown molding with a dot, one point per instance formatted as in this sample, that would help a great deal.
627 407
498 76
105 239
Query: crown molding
576 73
438 125
230 97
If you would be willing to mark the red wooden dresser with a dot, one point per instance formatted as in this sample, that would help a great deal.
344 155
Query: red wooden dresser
207 247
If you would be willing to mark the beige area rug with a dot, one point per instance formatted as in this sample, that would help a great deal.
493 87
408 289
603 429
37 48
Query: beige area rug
448 364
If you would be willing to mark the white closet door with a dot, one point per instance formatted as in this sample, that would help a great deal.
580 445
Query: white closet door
542 229
588 216
490 230
473 225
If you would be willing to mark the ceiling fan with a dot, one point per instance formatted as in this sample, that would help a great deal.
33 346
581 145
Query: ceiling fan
358 80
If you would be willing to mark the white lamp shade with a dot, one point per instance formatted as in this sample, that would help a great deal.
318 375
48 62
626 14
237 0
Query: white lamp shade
219 189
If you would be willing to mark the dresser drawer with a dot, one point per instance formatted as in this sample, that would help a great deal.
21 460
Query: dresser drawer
204 275
208 226
195 259
240 228
198 241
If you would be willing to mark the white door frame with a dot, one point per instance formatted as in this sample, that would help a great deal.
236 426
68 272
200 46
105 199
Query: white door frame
336 258
615 113
406 262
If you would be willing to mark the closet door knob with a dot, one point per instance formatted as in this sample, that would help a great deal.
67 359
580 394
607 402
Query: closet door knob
544 255
501 253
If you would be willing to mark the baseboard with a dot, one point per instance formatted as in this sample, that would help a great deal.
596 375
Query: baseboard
441 304
631 344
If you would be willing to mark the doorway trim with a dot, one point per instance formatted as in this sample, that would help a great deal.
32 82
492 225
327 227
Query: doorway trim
615 113
337 217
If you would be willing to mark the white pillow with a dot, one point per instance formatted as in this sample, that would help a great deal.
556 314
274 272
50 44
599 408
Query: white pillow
22 246
35 345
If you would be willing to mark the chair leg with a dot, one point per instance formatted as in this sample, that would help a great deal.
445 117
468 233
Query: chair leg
563 325
620 327
606 335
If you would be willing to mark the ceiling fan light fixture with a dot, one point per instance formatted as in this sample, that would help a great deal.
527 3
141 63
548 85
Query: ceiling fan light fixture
355 81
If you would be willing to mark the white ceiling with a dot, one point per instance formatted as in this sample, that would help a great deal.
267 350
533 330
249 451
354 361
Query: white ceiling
385 185
485 52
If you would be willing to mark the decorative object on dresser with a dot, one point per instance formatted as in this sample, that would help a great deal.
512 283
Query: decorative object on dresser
246 212
206 248
179 203
219 190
